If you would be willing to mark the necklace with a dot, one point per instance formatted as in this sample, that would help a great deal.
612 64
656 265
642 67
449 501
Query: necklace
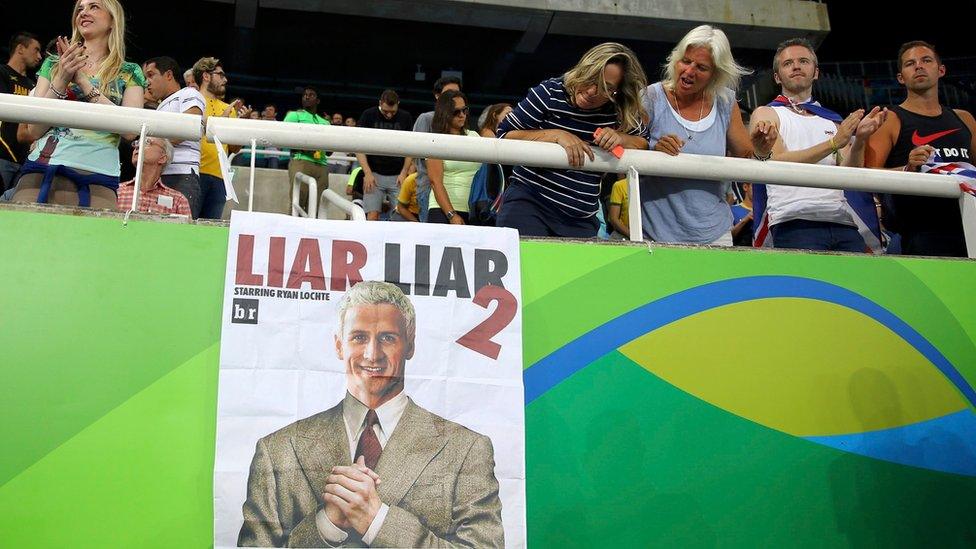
796 107
701 111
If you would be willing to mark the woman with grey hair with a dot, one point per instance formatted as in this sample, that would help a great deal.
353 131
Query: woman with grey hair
693 110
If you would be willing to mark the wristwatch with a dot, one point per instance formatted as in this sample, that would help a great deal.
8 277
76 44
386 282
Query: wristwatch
450 215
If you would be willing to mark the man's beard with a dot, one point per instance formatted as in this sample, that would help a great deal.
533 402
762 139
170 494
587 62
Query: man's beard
217 92
796 88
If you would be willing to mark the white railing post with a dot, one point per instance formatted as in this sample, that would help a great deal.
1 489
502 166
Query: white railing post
137 184
634 210
250 191
353 210
312 206
967 207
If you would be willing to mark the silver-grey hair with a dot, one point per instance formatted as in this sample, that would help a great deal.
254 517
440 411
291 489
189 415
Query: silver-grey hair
728 73
376 292
167 146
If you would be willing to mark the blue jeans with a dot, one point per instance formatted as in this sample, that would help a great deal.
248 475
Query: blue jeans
423 197
213 195
800 234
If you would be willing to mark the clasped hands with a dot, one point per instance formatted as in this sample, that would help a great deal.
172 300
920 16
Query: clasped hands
351 498
71 59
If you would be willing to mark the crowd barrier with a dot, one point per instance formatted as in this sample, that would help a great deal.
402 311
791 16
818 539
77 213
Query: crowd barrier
234 131
686 397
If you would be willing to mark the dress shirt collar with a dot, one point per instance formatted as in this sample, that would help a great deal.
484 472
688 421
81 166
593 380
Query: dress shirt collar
389 414
157 184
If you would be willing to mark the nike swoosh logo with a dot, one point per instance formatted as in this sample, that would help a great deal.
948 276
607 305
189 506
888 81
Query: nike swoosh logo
919 140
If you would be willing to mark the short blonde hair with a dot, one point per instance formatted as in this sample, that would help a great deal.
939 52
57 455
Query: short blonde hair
728 73
376 292
589 70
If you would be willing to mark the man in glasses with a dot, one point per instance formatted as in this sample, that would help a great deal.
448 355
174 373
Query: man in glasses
156 154
383 174
209 74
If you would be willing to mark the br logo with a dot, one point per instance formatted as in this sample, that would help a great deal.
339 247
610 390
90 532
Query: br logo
245 311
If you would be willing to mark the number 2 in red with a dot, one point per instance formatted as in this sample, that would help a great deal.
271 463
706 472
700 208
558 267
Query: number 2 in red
479 338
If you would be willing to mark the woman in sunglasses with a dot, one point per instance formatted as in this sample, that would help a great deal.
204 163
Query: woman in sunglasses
450 180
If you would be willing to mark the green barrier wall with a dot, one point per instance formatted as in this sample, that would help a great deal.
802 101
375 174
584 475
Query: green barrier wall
677 397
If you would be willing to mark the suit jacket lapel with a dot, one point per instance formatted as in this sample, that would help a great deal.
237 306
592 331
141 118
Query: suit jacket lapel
322 446
413 444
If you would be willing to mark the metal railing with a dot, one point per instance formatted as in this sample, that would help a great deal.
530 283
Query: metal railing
353 210
339 158
499 151
311 208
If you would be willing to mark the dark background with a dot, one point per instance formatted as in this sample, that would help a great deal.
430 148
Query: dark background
352 59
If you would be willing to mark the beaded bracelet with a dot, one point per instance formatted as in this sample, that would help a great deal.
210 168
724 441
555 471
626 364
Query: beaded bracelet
58 93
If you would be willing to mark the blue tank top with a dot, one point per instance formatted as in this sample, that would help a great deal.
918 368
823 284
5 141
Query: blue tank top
689 211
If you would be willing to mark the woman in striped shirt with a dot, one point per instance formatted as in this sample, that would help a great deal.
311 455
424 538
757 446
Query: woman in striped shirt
601 91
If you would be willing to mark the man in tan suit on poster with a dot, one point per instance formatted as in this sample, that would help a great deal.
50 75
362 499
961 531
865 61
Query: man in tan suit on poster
376 469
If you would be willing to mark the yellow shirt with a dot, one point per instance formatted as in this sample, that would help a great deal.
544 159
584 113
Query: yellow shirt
618 196
408 194
208 151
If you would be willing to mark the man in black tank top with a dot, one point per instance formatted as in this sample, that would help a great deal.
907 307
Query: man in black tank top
916 130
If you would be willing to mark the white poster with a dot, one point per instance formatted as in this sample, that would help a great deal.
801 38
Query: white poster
370 386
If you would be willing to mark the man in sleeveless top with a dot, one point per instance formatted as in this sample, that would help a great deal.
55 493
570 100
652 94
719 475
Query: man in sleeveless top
804 217
920 130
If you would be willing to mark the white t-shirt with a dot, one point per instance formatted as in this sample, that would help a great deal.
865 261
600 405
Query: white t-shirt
786 203
186 154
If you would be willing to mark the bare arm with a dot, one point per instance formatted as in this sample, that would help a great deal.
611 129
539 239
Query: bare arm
854 152
404 210
879 145
43 89
369 181
616 222
970 123
405 171
742 143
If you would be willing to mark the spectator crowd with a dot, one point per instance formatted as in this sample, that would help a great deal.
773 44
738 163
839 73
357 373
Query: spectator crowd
603 102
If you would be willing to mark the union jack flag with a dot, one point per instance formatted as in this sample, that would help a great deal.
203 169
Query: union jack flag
965 171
